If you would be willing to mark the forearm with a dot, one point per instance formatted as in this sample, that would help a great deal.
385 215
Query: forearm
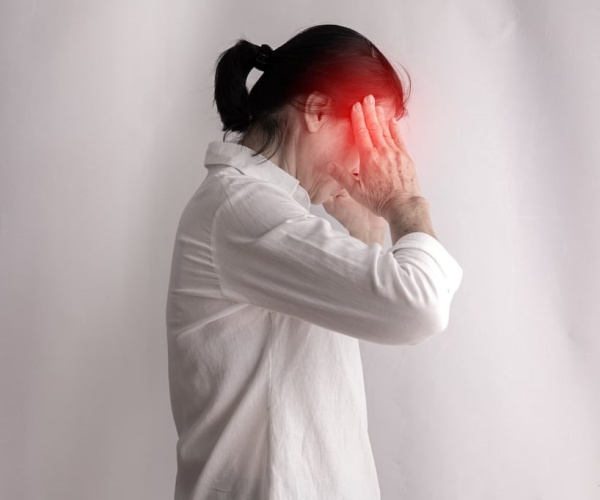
409 217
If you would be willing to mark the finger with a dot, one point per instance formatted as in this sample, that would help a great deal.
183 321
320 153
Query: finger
328 205
361 134
385 127
372 123
395 132
345 178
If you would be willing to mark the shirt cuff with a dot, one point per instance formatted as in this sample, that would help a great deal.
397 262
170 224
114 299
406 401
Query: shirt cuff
428 244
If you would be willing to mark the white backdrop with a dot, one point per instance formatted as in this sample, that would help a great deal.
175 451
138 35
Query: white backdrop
105 115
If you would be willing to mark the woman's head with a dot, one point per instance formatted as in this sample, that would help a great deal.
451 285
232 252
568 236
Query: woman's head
301 103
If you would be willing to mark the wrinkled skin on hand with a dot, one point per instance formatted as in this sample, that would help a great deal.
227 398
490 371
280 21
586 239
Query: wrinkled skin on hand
387 176
356 218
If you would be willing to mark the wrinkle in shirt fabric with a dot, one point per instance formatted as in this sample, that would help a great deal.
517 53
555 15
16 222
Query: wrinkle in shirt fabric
265 307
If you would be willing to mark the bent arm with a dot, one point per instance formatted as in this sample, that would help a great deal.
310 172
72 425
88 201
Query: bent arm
270 252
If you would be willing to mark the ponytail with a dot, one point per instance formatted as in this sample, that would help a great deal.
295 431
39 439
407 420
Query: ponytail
231 94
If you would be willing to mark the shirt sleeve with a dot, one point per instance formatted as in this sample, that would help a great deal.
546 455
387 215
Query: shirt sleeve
269 251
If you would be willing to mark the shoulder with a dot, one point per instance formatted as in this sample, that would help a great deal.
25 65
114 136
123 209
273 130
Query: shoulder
248 201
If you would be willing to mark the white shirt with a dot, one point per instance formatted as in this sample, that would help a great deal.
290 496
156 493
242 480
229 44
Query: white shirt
266 304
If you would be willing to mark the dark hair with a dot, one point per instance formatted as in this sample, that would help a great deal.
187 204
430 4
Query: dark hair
335 60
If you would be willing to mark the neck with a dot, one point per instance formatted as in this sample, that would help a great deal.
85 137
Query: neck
279 158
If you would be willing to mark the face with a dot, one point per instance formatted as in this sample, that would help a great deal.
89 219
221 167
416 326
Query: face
327 139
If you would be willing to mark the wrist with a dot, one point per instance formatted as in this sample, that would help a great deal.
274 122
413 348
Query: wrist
410 205
411 218
372 235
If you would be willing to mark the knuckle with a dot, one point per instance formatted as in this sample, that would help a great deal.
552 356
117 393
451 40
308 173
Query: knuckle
391 156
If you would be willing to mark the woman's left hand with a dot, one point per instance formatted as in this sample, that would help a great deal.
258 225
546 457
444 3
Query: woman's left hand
356 218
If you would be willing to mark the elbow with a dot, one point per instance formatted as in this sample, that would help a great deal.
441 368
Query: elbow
415 326
432 321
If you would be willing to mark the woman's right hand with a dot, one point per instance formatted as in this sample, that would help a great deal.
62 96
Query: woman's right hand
387 176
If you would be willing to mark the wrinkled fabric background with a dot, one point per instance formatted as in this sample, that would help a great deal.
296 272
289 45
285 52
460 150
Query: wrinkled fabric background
105 114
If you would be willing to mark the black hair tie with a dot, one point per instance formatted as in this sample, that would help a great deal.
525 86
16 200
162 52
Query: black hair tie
262 58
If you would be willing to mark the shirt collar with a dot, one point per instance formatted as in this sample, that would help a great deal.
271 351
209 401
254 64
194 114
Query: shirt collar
220 153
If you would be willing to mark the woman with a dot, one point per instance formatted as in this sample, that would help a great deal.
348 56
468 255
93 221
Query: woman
267 302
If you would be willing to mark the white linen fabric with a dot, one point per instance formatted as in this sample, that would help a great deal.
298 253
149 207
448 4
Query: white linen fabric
266 305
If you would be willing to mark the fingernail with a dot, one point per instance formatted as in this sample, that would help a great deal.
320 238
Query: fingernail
370 99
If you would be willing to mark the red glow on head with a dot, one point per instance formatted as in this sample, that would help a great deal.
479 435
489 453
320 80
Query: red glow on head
344 82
